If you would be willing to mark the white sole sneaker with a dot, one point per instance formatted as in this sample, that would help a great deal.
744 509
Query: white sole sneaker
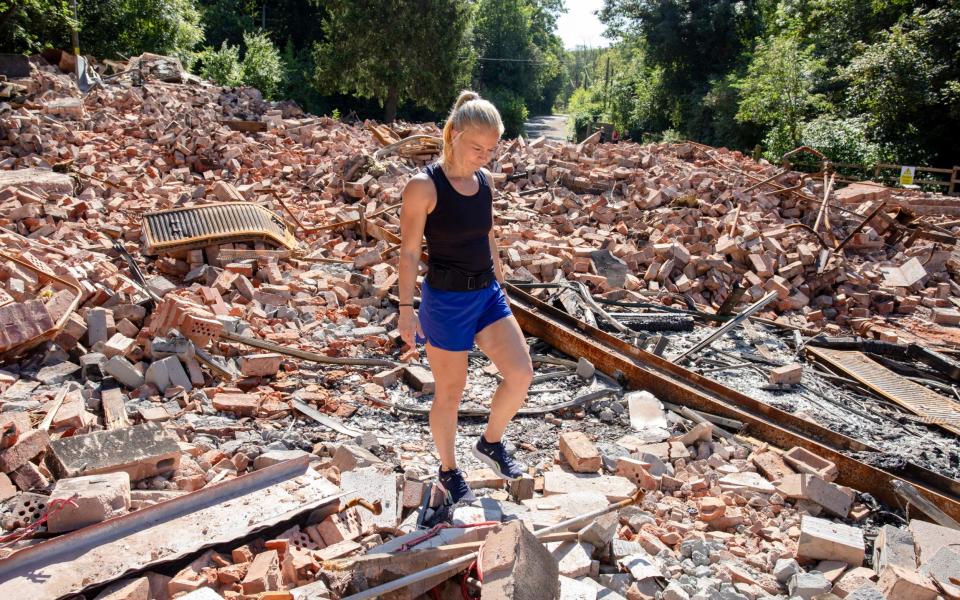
491 463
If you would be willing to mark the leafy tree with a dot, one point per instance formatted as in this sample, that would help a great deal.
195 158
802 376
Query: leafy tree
262 67
779 88
227 20
29 25
420 56
124 28
222 66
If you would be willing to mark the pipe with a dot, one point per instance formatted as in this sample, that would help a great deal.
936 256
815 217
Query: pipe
731 324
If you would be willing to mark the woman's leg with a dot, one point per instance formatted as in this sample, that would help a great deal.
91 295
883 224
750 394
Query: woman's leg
450 373
503 342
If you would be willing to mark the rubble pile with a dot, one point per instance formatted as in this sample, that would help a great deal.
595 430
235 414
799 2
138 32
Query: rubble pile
137 373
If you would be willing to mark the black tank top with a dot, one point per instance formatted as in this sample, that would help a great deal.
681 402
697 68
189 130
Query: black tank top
458 228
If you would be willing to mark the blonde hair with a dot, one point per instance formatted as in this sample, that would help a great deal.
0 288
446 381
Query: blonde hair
470 110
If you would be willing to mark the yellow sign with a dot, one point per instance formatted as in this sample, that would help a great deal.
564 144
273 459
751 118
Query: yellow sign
907 174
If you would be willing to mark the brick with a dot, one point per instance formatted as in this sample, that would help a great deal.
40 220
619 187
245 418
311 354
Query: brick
805 461
787 374
342 526
21 322
141 451
350 456
100 325
28 477
260 365
516 566
273 457
810 487
420 378
896 583
637 472
579 452
929 538
124 371
118 345
573 558
245 405
7 489
263 574
853 580
98 498
824 540
772 465
29 445
166 372
135 589
894 547
946 316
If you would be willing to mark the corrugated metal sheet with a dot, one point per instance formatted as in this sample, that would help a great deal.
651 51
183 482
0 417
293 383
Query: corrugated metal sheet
197 226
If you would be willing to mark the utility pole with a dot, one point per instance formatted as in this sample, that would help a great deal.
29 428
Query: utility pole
606 85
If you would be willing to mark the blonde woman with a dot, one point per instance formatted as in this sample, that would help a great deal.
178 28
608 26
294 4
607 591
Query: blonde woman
451 205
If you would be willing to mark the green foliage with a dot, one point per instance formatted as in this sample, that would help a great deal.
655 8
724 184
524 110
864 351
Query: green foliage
778 89
513 110
262 67
30 25
124 28
420 56
841 140
222 66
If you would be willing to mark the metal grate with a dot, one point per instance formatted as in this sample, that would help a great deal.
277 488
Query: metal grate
930 406
194 227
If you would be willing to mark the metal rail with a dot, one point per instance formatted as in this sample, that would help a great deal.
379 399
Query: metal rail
681 386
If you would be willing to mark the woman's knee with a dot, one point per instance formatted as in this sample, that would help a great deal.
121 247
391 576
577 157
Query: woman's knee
520 374
449 394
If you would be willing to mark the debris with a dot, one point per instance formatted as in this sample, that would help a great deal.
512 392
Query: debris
141 451
92 499
824 540
579 452
516 566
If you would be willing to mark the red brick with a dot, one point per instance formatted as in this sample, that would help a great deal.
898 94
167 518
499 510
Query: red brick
30 444
260 365
579 452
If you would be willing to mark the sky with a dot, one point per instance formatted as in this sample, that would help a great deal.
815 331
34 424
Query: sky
580 27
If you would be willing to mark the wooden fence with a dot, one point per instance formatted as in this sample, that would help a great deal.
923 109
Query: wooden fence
945 181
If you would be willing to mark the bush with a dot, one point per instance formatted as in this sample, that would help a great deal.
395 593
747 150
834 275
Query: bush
262 66
840 139
222 66
513 110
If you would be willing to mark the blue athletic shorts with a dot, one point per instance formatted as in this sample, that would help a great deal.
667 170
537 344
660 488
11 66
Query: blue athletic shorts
450 320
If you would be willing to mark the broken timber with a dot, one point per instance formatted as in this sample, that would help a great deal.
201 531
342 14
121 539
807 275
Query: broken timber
674 383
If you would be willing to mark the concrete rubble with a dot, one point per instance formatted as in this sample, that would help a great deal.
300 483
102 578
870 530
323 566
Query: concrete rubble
125 387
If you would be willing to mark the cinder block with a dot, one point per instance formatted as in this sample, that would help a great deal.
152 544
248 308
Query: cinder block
516 566
805 461
810 487
123 371
141 451
98 498
894 547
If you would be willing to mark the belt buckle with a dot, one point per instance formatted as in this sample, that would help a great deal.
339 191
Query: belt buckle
471 283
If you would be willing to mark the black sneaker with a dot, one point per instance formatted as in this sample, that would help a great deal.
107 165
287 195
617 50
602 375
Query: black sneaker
496 457
456 486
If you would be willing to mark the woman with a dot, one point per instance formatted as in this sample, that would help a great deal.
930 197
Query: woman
451 204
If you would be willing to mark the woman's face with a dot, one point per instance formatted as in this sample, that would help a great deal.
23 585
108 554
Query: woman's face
474 147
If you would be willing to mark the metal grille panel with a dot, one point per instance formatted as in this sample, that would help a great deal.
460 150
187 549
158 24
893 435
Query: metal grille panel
930 406
186 228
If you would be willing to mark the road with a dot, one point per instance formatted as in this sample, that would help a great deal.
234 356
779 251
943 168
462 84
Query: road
554 127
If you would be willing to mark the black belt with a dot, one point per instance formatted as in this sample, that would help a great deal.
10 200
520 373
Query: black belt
454 280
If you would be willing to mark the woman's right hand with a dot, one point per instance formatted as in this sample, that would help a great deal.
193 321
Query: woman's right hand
409 326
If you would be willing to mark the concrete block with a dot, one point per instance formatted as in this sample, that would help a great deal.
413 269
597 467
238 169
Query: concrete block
805 461
272 457
930 537
579 452
944 569
853 580
821 539
98 498
58 373
166 372
573 558
123 371
375 483
141 451
613 487
350 456
573 589
516 566
808 585
894 547
100 325
601 531
93 366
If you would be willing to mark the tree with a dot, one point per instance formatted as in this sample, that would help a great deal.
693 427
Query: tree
262 67
222 66
778 89
421 56
124 28
28 25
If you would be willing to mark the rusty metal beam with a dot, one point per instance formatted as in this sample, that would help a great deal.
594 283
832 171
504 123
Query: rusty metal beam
216 514
676 384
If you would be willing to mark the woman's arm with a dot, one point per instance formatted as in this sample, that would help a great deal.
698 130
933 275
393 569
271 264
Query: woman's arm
417 197
494 251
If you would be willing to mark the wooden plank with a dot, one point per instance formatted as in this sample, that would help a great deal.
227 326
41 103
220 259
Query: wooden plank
114 412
